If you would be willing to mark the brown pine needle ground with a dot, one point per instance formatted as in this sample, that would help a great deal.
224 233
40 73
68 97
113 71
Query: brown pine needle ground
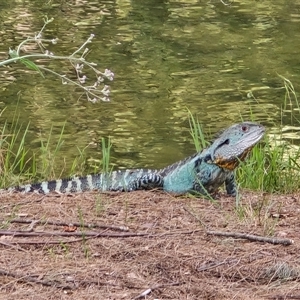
148 245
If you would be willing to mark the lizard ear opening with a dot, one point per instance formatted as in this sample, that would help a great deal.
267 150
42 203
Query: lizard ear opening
226 142
219 151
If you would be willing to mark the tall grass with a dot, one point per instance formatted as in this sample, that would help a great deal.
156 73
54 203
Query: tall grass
18 163
106 147
197 133
13 153
272 166
47 157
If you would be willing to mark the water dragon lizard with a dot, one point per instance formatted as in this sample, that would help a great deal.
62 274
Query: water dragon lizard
203 172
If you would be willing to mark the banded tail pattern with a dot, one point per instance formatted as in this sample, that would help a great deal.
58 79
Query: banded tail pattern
127 180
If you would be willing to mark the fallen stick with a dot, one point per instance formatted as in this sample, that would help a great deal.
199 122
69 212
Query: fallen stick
31 279
215 265
17 233
57 233
12 246
43 242
112 227
252 237
79 283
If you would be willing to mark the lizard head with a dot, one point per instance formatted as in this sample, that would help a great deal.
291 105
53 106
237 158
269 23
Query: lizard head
234 143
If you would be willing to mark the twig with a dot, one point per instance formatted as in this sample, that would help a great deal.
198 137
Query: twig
86 283
252 237
17 233
93 225
81 283
33 223
12 246
52 242
28 279
215 265
195 216
143 294
149 290
57 233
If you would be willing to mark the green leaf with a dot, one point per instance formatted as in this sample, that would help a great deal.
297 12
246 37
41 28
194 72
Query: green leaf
31 65
28 63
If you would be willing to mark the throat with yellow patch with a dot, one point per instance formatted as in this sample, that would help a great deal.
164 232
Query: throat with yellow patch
232 163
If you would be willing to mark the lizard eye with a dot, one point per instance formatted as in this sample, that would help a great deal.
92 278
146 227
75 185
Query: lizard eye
244 128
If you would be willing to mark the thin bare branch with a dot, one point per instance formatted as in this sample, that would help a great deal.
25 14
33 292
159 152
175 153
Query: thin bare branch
80 225
95 234
57 233
252 237
12 246
30 279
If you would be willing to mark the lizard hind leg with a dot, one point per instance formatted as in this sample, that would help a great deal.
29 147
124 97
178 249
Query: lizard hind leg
146 182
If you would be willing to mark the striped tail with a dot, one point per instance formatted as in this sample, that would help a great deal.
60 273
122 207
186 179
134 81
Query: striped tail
128 180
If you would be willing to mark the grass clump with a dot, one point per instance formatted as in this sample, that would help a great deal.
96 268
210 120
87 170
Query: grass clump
18 163
273 165
282 271
271 168
106 147
13 154
197 134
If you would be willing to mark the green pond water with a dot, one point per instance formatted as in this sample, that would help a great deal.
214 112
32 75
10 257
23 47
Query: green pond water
219 61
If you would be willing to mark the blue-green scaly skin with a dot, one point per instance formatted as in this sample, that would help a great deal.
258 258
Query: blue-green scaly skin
203 172
198 176
206 171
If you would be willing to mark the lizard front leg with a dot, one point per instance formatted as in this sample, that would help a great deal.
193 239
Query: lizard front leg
201 180
230 185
